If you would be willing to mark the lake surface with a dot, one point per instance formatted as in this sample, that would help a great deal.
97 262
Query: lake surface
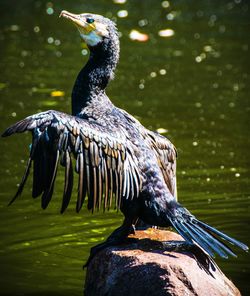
193 85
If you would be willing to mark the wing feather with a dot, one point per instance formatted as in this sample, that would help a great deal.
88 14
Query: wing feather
81 184
104 160
23 181
68 184
38 172
166 155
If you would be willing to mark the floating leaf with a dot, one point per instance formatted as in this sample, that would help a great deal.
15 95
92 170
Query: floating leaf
57 93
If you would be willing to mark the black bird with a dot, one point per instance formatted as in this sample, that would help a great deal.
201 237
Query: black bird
116 157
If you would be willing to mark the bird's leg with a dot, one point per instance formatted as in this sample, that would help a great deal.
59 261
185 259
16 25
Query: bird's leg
117 237
141 225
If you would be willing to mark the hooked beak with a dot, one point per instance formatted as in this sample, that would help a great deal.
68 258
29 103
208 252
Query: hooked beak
76 19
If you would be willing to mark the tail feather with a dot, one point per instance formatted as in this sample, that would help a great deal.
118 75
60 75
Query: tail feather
182 230
224 236
207 237
213 239
189 235
203 241
209 240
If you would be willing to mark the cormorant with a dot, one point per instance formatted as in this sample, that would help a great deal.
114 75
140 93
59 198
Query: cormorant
115 155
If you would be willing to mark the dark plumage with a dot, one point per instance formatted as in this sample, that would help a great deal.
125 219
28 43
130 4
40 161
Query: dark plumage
116 157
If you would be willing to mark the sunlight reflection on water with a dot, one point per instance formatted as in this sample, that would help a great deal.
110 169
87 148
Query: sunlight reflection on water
192 86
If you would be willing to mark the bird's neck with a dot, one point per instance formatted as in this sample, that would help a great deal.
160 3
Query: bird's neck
89 89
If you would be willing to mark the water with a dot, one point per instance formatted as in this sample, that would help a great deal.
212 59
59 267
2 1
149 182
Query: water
194 84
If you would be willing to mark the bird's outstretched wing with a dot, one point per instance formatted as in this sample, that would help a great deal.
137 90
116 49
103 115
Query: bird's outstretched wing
166 154
104 161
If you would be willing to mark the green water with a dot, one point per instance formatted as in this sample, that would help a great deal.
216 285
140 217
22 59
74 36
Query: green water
202 100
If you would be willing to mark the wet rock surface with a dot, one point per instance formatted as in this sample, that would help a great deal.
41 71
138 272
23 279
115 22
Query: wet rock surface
145 268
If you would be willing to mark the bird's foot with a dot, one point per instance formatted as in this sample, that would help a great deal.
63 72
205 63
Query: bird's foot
118 237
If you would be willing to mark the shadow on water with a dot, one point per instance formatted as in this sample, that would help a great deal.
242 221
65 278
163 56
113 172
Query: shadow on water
192 85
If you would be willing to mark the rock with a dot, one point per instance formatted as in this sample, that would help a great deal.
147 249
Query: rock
143 268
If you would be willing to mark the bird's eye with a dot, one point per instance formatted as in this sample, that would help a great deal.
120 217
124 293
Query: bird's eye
90 20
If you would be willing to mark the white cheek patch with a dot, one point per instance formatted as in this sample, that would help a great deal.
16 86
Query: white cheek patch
92 38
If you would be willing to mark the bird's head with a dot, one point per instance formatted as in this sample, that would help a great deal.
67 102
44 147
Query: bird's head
94 29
